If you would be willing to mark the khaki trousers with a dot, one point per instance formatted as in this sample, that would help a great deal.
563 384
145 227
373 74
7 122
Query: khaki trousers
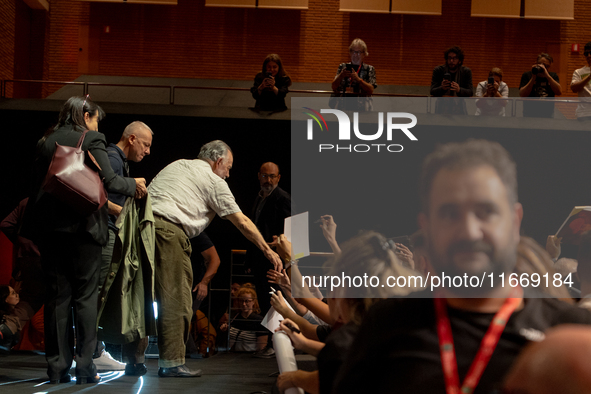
173 281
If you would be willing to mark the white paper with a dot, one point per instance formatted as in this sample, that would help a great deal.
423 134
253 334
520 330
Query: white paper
296 232
271 319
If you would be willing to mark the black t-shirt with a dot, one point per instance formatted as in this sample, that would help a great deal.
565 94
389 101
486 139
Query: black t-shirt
397 348
541 88
331 357
323 331
199 244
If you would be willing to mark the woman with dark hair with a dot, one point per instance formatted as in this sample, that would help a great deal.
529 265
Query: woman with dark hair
271 85
8 300
70 244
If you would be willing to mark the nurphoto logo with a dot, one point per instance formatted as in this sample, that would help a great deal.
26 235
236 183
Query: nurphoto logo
344 133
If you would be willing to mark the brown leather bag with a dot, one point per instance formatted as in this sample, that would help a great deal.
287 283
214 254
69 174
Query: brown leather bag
72 181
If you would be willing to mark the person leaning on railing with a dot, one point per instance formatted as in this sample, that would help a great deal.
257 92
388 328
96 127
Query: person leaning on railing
271 85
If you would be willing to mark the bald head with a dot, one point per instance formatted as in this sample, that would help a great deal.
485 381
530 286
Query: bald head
136 141
269 177
558 364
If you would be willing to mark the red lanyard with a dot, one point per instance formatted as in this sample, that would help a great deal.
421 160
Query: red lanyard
487 346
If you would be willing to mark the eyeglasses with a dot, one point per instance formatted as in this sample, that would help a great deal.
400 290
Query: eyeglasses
270 176
452 58
245 300
587 53
357 52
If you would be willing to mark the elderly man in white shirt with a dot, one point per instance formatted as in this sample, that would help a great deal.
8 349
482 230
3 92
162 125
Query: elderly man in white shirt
186 196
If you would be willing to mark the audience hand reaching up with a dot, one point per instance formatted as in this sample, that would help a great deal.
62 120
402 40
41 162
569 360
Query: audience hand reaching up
553 246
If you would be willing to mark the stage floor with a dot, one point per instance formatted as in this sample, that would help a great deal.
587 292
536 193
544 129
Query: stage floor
224 373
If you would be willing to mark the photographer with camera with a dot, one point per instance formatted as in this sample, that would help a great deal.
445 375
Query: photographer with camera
452 79
355 79
271 85
493 87
539 82
580 85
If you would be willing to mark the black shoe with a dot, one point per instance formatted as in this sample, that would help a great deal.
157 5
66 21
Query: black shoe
135 369
182 371
64 379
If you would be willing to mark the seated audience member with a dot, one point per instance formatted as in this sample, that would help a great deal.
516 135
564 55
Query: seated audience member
271 85
580 85
452 79
27 273
471 218
246 332
369 252
354 79
494 87
557 364
8 300
541 83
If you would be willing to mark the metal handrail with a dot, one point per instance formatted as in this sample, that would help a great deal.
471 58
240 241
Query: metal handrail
5 81
172 88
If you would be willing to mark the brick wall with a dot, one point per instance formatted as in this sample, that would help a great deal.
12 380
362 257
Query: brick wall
577 31
7 31
193 41
62 30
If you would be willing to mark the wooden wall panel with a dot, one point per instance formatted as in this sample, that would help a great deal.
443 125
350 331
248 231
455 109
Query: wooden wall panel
380 6
550 9
496 9
418 7
284 4
231 3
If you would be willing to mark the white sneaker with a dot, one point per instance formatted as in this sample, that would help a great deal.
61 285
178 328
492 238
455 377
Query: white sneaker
107 363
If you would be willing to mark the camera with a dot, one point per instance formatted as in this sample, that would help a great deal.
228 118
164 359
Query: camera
536 69
447 77
491 80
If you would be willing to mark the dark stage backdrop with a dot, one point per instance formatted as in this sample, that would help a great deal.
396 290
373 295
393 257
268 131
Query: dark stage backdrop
253 142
